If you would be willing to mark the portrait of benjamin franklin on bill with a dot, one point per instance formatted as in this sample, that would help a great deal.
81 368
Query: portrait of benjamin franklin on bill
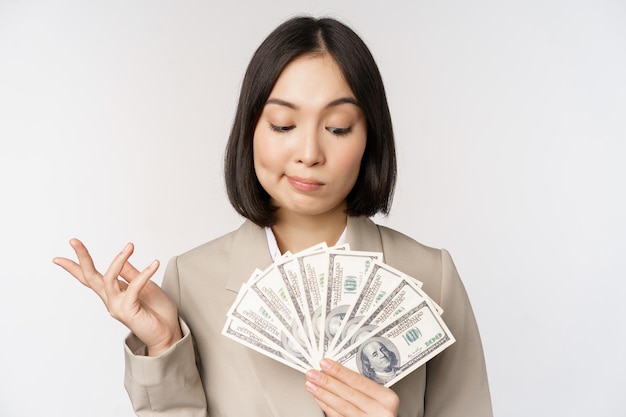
334 321
377 359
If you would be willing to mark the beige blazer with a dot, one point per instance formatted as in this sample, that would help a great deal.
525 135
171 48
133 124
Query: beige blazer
225 378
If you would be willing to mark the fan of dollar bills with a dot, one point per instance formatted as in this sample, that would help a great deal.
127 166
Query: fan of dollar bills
342 304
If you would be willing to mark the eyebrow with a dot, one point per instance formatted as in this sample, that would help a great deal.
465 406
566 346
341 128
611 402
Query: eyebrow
337 102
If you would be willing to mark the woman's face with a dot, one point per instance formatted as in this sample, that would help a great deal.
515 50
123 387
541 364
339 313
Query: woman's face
310 139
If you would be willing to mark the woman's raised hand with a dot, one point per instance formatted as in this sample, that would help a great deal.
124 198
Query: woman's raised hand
341 392
136 301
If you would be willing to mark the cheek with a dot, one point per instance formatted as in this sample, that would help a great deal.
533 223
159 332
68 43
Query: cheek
353 154
259 149
266 156
351 162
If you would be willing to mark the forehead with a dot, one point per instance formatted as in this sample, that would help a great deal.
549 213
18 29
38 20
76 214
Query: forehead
372 347
311 80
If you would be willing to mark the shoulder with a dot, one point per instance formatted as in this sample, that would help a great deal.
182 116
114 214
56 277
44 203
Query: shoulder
400 248
192 265
219 246
398 240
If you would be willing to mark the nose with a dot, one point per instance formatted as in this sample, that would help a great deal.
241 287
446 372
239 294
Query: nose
309 149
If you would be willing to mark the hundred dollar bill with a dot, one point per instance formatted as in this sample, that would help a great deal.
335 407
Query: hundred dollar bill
251 337
313 267
380 282
252 310
420 284
279 297
376 286
406 295
346 275
393 351
290 272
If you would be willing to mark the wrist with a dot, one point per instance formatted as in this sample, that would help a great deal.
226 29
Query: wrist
159 348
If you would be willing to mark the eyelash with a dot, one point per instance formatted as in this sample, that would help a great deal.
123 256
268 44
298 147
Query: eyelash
338 131
281 129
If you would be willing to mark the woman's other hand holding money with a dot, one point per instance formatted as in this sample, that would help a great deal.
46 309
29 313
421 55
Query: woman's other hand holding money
136 301
341 392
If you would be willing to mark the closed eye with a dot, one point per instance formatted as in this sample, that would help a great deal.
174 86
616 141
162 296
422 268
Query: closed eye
281 129
339 131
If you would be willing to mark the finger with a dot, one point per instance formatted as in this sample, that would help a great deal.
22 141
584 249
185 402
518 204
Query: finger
84 258
349 377
328 412
110 278
91 277
72 267
135 287
94 283
349 387
333 396
129 272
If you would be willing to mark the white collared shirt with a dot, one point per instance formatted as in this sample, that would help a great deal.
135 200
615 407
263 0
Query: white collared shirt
273 244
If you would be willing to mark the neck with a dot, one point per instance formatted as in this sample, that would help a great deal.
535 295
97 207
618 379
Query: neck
295 232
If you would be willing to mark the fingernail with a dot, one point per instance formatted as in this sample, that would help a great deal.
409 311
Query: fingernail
312 375
325 364
126 248
311 387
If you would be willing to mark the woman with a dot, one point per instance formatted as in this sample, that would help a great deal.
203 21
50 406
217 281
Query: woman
310 157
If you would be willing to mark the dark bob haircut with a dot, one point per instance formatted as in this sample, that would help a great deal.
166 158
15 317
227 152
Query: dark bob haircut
373 190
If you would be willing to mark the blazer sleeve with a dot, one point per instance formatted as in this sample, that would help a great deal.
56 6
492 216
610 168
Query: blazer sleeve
457 382
170 384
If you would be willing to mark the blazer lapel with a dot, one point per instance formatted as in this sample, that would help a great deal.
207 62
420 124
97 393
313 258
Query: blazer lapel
363 235
249 251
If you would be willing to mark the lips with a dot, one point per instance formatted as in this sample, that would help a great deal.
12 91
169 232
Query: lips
305 184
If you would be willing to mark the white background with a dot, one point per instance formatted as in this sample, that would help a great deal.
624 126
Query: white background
510 128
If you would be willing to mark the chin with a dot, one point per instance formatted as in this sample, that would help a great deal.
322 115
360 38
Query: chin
310 210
